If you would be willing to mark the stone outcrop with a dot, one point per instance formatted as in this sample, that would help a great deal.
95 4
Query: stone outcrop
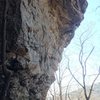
36 33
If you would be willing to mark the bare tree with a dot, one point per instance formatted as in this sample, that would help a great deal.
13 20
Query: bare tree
57 89
83 64
52 92
67 88
61 75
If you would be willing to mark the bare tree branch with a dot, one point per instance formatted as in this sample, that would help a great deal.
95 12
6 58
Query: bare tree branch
67 89
91 88
74 76
85 62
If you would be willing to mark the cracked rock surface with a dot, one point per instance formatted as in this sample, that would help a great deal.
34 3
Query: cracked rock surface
37 31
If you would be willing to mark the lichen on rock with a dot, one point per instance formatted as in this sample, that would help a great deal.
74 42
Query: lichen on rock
37 33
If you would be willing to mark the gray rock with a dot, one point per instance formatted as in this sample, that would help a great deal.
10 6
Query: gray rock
37 31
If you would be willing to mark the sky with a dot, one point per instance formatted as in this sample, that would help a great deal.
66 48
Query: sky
91 26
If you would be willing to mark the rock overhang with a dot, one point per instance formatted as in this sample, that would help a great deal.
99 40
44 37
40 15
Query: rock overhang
39 30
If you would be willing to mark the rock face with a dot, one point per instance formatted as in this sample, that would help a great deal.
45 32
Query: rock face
36 33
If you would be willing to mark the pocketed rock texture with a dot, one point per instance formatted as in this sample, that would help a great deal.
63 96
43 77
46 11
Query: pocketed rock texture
36 33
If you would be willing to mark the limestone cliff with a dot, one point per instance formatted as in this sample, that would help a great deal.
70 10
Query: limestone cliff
35 34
